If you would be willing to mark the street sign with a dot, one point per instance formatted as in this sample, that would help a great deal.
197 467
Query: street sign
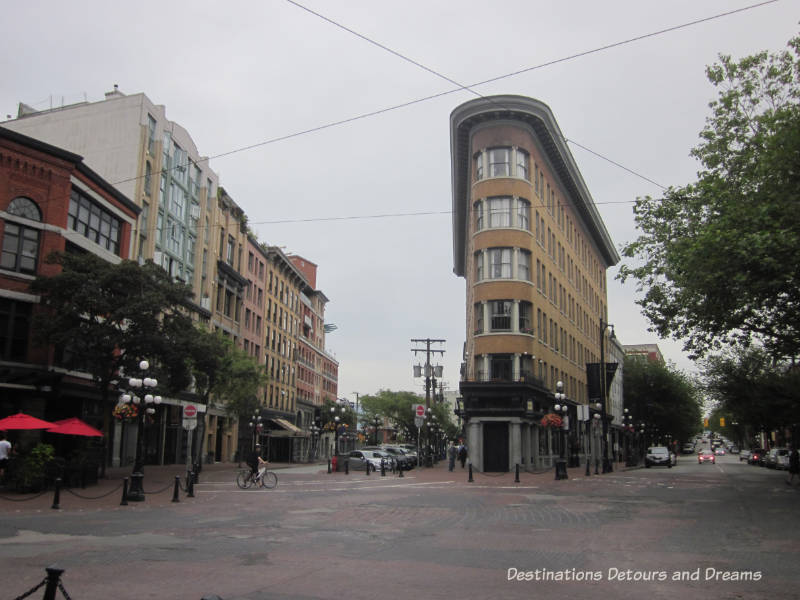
418 421
419 410
189 423
189 411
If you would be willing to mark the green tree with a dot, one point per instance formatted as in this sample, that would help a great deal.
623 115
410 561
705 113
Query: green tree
397 407
718 259
662 397
752 390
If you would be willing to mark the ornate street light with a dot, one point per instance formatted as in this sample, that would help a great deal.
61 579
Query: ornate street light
140 395
561 409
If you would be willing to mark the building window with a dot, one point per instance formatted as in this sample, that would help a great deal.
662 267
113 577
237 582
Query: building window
523 172
15 318
151 134
499 212
499 263
24 207
526 317
20 248
478 216
148 178
500 367
523 214
93 222
478 318
524 265
500 162
500 315
478 266
479 166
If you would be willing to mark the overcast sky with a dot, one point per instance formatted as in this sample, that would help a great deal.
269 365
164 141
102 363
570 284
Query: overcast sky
239 74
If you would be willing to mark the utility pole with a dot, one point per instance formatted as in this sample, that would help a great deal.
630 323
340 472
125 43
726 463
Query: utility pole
356 393
428 368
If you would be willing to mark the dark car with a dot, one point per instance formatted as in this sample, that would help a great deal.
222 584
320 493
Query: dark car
777 458
404 460
756 456
658 456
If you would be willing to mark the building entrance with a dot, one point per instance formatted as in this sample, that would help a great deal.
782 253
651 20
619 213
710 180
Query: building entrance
495 447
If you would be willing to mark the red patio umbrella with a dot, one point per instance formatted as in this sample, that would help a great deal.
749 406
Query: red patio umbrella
23 421
74 426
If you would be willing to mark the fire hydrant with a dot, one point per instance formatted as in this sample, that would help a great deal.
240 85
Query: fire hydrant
334 463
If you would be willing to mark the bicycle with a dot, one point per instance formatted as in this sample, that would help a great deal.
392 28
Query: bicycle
265 479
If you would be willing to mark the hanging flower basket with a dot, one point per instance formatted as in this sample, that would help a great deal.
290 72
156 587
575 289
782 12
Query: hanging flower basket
125 412
551 420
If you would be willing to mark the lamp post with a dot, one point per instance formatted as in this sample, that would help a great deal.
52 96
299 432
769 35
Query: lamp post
561 408
336 420
140 395
255 429
607 468
627 428
377 424
315 430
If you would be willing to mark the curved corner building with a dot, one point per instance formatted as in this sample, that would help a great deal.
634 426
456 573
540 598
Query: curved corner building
534 251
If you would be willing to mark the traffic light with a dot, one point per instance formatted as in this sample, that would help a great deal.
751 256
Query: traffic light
722 421
705 422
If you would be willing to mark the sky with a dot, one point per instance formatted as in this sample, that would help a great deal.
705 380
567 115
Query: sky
264 86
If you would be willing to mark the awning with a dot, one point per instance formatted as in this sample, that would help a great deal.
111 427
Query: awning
284 424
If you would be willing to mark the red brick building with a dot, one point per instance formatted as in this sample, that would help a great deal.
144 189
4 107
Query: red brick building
49 201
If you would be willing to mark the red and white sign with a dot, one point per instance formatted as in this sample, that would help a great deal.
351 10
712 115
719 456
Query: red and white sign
189 411
419 410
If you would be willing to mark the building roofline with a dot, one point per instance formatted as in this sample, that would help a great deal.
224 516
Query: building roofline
539 117
75 159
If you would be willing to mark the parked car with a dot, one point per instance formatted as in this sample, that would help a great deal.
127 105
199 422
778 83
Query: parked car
359 458
744 455
733 449
706 456
399 456
777 458
687 449
658 455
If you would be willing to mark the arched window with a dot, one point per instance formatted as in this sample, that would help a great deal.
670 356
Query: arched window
24 207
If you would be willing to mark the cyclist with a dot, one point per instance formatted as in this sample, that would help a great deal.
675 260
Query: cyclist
256 463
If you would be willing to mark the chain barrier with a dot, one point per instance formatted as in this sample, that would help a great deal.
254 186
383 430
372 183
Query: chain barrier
165 488
92 497
63 591
33 589
42 493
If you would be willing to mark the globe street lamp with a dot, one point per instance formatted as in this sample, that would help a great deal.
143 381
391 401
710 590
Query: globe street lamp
139 394
561 408
627 428
256 427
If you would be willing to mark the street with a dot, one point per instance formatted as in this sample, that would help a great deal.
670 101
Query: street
723 531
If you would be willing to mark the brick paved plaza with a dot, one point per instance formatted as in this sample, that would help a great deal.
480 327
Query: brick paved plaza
729 530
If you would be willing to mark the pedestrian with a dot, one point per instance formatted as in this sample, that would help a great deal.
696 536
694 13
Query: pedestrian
462 455
451 455
794 464
254 460
5 453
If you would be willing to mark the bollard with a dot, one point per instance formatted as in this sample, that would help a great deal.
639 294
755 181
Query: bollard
470 480
190 486
175 497
196 473
383 469
53 575
347 467
588 467
329 466
124 492
368 465
57 494
597 467
516 476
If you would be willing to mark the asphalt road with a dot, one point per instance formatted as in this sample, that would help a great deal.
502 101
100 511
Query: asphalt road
716 532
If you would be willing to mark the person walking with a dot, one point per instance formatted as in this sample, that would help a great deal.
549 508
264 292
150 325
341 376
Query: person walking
462 455
451 456
794 465
5 453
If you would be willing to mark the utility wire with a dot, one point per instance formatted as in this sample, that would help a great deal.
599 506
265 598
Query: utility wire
564 59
